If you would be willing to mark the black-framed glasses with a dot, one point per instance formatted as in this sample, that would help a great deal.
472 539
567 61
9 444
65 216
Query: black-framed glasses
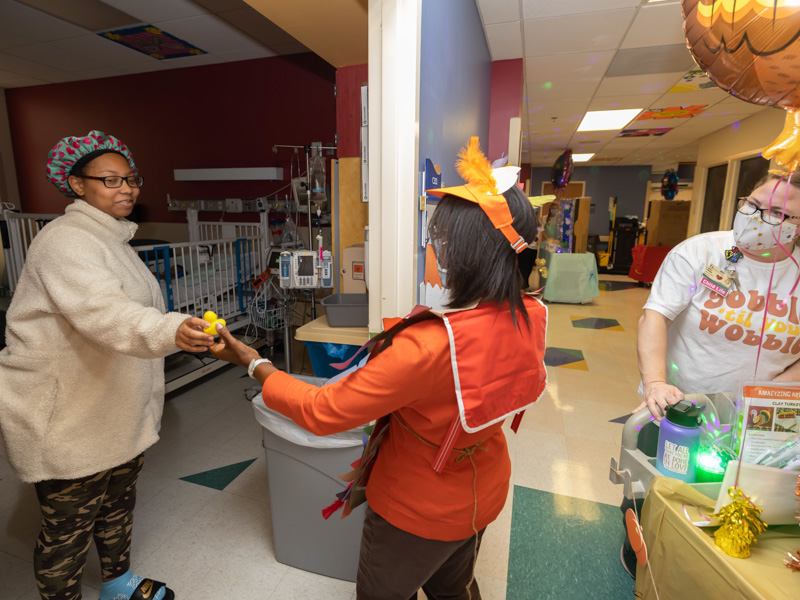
115 181
770 216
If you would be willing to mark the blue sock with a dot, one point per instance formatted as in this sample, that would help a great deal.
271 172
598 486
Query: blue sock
123 586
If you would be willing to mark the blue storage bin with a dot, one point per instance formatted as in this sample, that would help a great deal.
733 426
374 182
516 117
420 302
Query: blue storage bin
323 354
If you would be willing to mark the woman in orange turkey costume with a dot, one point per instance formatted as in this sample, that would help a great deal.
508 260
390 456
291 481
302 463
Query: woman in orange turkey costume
442 471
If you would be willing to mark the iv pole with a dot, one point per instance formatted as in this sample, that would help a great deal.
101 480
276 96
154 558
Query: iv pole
307 150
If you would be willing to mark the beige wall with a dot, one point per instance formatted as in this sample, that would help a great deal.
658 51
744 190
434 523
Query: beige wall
743 139
9 192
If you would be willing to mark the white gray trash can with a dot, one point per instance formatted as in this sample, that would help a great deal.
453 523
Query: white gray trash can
302 470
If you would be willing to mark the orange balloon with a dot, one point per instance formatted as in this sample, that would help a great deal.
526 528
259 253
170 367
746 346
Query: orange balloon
748 47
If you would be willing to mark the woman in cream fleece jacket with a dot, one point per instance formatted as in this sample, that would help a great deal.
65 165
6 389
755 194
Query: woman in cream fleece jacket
82 376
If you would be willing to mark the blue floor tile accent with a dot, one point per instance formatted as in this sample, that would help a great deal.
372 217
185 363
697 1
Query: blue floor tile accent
563 547
220 478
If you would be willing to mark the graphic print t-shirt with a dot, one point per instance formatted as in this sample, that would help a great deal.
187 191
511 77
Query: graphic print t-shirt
713 341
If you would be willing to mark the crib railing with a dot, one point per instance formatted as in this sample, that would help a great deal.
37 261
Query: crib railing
18 231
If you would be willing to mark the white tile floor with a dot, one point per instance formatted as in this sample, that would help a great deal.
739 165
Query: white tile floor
209 544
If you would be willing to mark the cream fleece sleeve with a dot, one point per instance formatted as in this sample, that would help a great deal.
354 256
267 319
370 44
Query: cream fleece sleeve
84 281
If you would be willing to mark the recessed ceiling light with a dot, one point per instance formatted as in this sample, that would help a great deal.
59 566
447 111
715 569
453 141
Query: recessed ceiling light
582 157
607 120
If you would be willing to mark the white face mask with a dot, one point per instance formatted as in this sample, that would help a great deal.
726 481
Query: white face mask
751 233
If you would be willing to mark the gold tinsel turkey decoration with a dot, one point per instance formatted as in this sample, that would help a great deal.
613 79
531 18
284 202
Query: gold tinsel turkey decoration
739 525
750 49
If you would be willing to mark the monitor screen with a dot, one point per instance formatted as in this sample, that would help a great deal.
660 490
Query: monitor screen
274 259
305 265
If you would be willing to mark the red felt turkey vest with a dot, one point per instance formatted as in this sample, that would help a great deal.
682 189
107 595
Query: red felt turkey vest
498 368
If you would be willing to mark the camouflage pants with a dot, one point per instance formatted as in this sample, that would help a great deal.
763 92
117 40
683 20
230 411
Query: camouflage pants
74 512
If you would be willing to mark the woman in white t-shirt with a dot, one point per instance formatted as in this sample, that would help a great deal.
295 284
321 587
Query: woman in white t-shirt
701 327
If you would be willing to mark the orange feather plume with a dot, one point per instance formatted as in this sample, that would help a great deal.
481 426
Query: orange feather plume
475 169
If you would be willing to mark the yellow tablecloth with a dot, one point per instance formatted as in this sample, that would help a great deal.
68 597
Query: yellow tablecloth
685 563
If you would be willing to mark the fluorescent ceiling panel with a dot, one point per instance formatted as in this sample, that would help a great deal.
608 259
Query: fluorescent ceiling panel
606 120
582 157
656 59
93 15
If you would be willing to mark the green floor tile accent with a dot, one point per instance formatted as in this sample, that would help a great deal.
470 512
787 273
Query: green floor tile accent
220 478
563 547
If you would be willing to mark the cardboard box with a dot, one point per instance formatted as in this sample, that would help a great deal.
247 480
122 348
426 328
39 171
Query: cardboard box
580 231
668 222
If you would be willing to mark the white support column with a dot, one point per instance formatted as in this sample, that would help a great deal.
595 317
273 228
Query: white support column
394 45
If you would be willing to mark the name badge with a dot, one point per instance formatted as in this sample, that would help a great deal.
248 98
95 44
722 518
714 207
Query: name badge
716 280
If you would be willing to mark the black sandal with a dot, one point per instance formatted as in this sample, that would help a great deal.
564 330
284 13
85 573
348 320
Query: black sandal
148 588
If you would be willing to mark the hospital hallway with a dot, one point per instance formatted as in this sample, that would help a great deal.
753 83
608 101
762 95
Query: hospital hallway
203 521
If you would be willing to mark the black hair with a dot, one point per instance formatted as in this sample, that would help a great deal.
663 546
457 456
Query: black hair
481 264
80 164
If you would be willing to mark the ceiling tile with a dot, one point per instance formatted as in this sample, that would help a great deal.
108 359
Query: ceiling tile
735 106
499 11
91 15
623 102
194 61
564 109
153 65
23 21
152 11
587 65
101 73
547 91
104 50
248 54
504 40
19 81
57 57
220 5
289 48
656 59
26 68
708 96
637 84
593 32
656 25
208 33
537 9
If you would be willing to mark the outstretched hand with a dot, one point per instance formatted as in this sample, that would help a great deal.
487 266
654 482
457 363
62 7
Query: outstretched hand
231 350
191 337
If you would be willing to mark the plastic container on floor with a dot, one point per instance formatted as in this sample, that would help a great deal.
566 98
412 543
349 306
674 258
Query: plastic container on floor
322 354
302 471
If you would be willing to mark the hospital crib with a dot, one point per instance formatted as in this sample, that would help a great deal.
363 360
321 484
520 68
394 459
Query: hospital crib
212 272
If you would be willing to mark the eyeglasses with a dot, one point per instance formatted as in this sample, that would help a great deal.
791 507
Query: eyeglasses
115 181
771 216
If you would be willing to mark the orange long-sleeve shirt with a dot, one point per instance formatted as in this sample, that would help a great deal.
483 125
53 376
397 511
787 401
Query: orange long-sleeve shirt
412 378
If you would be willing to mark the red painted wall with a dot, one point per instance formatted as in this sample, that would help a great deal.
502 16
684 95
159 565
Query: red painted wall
505 103
348 108
227 115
